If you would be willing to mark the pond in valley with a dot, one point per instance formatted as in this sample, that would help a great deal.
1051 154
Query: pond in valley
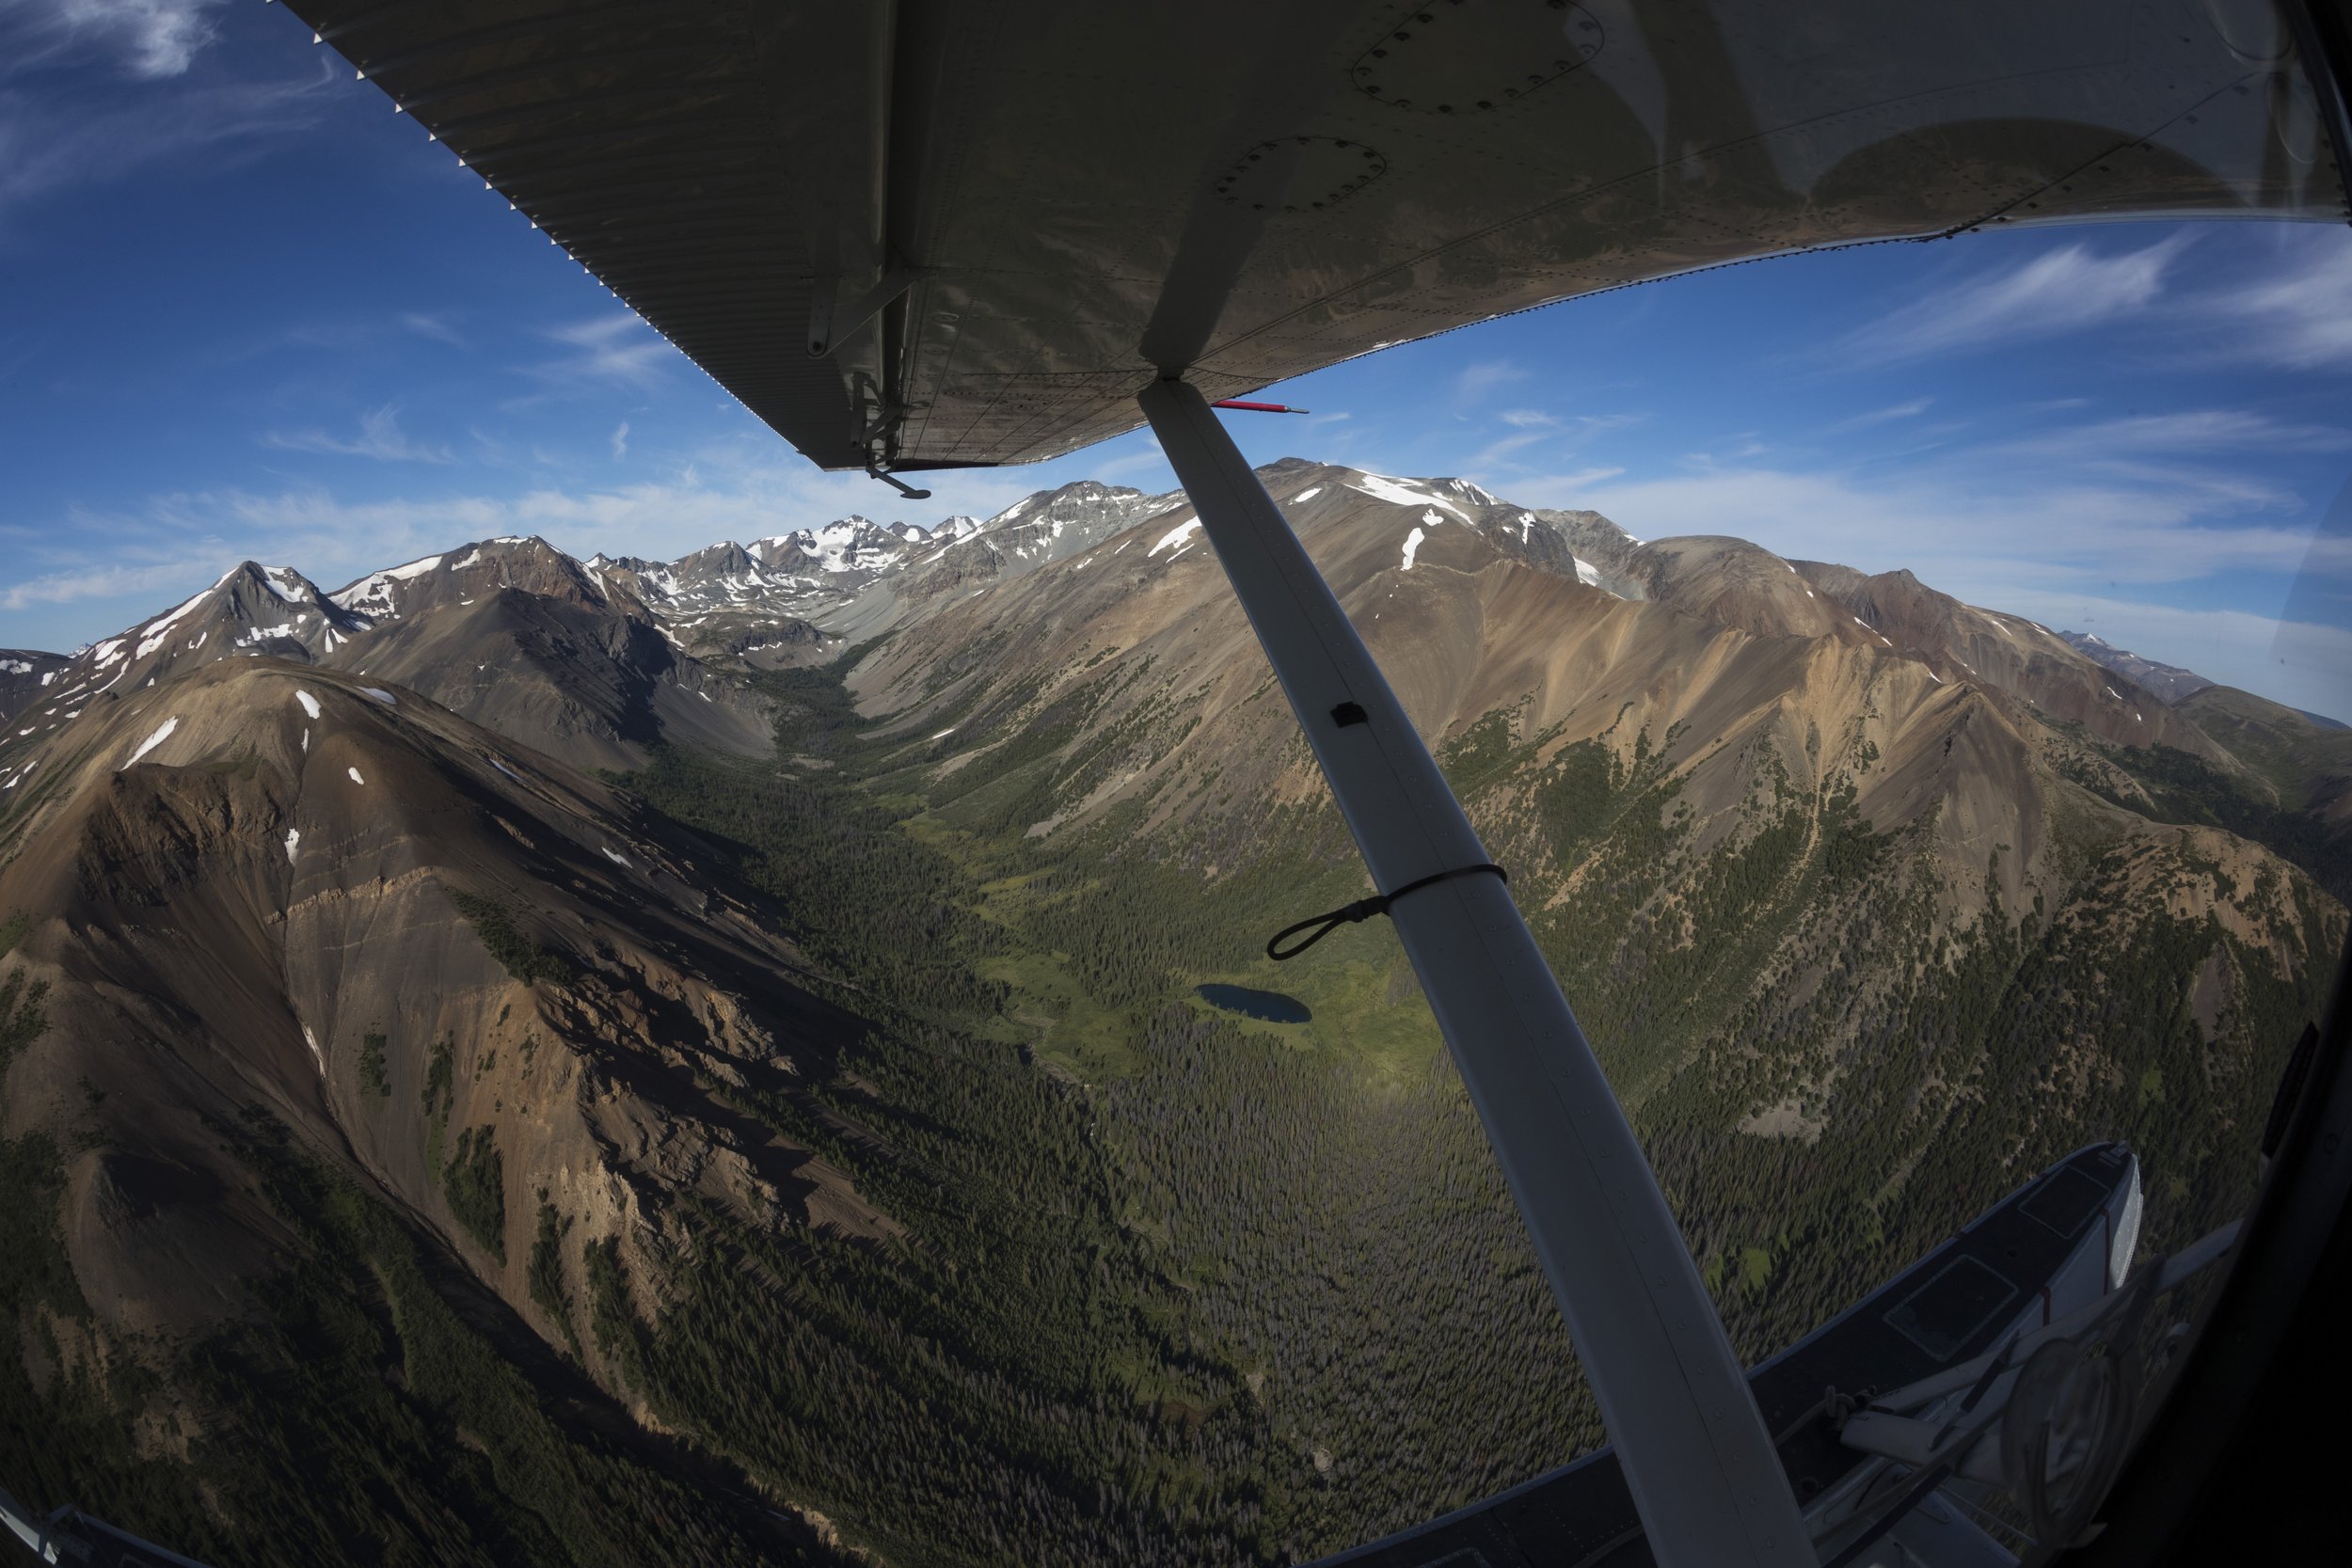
1270 1005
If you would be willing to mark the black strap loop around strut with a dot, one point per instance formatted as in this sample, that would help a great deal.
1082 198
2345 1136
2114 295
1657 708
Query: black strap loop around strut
1364 909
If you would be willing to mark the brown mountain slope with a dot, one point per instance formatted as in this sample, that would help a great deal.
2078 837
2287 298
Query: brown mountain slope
2021 657
476 987
379 1093
1732 652
229 893
1756 855
2305 766
577 680
1862 938
515 635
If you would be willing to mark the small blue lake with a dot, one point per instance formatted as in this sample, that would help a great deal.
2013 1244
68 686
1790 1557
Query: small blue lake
1270 1005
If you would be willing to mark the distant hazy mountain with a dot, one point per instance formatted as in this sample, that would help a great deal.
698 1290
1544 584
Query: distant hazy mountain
763 602
813 1145
2169 682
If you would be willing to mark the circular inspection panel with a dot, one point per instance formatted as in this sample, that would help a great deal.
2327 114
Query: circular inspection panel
1325 171
1475 56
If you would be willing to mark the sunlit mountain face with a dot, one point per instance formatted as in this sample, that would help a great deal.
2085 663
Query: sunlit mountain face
524 1059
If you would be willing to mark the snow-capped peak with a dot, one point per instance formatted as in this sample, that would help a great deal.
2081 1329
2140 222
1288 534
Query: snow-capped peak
289 585
378 593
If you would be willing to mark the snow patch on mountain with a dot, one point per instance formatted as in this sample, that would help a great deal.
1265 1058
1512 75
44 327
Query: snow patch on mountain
1176 536
163 733
158 631
1400 492
288 584
377 594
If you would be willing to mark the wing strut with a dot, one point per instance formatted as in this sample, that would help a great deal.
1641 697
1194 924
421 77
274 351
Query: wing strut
1702 1469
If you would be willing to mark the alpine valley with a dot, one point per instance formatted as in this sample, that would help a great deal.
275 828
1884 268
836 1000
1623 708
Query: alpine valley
524 1060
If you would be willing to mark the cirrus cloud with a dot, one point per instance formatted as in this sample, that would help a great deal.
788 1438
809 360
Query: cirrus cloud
149 39
2063 290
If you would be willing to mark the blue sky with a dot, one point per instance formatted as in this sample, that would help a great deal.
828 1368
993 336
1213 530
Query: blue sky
252 312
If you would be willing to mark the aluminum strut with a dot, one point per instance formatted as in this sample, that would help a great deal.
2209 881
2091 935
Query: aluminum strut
1693 1449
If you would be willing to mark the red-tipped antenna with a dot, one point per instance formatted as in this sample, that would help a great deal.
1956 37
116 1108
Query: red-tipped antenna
1256 407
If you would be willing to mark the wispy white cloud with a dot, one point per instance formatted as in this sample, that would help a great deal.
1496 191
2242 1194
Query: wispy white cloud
2190 431
1739 449
604 352
2297 311
1568 489
51 144
149 39
1498 452
112 580
620 441
1546 437
1475 382
1909 410
426 326
1969 528
380 438
2059 292
1145 462
1530 427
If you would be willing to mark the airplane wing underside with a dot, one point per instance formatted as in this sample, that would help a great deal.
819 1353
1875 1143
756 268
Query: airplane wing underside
999 217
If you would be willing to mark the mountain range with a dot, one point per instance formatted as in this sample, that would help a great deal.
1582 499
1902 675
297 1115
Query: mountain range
529 1059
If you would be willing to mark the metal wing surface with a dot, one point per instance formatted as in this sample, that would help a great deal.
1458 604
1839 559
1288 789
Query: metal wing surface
1003 217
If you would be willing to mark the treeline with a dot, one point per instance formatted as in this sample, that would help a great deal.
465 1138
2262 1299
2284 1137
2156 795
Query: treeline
2183 787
